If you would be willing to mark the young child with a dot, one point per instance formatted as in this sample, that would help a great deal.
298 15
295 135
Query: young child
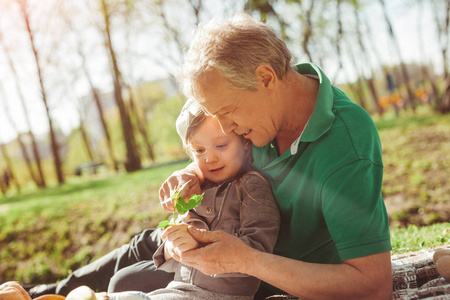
237 200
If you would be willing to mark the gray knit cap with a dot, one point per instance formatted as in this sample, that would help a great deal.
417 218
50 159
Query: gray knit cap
190 110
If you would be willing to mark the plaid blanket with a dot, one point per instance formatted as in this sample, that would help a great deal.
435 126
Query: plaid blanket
415 277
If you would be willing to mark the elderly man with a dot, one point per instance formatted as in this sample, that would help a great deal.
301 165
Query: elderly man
321 153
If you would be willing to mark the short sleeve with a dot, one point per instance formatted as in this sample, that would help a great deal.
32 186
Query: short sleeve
260 215
354 210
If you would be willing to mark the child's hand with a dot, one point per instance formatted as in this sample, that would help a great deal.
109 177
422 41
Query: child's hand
179 236
173 184
169 251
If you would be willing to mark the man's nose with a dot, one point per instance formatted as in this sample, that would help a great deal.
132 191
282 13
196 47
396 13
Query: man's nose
226 124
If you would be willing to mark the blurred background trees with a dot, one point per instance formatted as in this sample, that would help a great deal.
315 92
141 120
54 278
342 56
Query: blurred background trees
90 84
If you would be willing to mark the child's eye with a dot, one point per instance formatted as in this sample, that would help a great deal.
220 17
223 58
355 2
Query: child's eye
199 151
221 146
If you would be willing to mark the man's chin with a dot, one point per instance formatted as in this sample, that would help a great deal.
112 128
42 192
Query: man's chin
259 143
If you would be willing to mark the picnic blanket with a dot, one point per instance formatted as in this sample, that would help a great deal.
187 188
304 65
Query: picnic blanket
415 277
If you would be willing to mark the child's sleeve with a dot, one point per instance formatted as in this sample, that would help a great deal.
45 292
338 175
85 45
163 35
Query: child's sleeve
260 215
169 266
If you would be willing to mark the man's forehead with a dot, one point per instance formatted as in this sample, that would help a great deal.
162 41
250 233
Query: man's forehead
212 92
214 107
209 108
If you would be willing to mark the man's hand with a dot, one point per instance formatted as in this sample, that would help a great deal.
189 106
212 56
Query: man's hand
223 252
12 290
179 240
174 182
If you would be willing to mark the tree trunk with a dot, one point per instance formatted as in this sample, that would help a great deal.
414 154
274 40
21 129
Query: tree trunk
28 162
99 106
142 126
375 97
37 158
36 154
54 143
9 165
410 101
307 31
369 81
86 142
338 39
379 62
22 146
443 103
443 34
133 162
424 64
357 89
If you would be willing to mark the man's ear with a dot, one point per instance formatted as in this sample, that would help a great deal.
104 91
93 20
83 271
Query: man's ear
266 76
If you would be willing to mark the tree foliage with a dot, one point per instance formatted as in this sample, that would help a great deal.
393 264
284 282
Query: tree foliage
95 50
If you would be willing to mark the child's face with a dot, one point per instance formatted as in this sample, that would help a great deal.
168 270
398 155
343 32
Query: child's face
218 155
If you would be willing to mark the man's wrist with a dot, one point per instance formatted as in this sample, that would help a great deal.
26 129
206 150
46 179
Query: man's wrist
249 261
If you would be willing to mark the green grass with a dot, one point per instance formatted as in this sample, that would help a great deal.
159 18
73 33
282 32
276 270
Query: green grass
46 233
414 238
416 157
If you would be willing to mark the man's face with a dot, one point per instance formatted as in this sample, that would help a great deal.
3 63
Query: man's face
245 112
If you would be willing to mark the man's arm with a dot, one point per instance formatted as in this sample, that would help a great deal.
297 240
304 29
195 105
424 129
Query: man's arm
361 278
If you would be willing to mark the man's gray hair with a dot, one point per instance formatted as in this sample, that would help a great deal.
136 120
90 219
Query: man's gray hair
233 47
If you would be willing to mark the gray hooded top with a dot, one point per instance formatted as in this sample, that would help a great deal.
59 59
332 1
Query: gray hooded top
255 219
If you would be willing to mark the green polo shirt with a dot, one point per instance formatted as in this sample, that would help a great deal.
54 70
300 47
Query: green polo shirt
328 183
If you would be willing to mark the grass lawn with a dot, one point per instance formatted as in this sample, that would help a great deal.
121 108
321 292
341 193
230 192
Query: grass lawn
46 233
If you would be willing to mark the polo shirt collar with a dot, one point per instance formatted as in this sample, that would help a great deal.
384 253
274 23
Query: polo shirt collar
322 116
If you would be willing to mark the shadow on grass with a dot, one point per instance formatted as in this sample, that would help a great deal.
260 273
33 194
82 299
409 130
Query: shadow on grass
56 191
96 185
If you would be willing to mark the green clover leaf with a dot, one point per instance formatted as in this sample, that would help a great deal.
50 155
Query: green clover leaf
181 207
164 224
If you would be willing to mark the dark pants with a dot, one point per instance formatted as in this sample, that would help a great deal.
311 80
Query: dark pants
128 268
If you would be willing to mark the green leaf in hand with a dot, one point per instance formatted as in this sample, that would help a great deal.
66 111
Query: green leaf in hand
163 224
176 195
194 201
181 207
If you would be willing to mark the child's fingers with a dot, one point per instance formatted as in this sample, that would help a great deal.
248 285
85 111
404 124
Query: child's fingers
176 236
174 228
185 247
185 242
